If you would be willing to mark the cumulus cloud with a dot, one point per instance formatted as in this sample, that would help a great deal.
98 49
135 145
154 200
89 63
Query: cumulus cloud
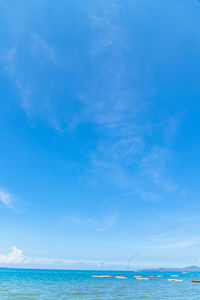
14 257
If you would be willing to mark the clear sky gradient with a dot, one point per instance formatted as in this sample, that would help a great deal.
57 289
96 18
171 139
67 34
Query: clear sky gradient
99 133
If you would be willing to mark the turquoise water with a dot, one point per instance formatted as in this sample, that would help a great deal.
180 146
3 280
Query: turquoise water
56 284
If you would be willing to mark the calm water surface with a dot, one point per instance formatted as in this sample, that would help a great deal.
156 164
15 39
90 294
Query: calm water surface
53 284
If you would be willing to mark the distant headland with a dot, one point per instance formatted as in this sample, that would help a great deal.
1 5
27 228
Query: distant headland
184 269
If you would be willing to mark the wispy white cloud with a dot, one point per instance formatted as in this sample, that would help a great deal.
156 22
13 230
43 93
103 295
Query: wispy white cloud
43 50
172 125
98 225
8 58
6 198
108 223
132 150
132 147
154 165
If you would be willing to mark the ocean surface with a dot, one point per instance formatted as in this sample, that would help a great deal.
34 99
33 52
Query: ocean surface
57 284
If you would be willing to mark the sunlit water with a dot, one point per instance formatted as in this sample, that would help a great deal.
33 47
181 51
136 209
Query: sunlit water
53 284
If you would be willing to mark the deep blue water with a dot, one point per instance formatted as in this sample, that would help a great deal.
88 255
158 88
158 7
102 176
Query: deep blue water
57 284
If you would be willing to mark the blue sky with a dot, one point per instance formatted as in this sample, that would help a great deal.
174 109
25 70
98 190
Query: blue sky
99 133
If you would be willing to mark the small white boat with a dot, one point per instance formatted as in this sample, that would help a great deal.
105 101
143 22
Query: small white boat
142 278
179 280
102 276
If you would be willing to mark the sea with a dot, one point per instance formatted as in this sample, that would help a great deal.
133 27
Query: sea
66 284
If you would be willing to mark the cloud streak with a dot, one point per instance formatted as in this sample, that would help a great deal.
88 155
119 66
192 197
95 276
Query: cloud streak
6 198
98 225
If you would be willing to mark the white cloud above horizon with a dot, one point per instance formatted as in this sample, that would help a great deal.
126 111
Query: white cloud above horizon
14 257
